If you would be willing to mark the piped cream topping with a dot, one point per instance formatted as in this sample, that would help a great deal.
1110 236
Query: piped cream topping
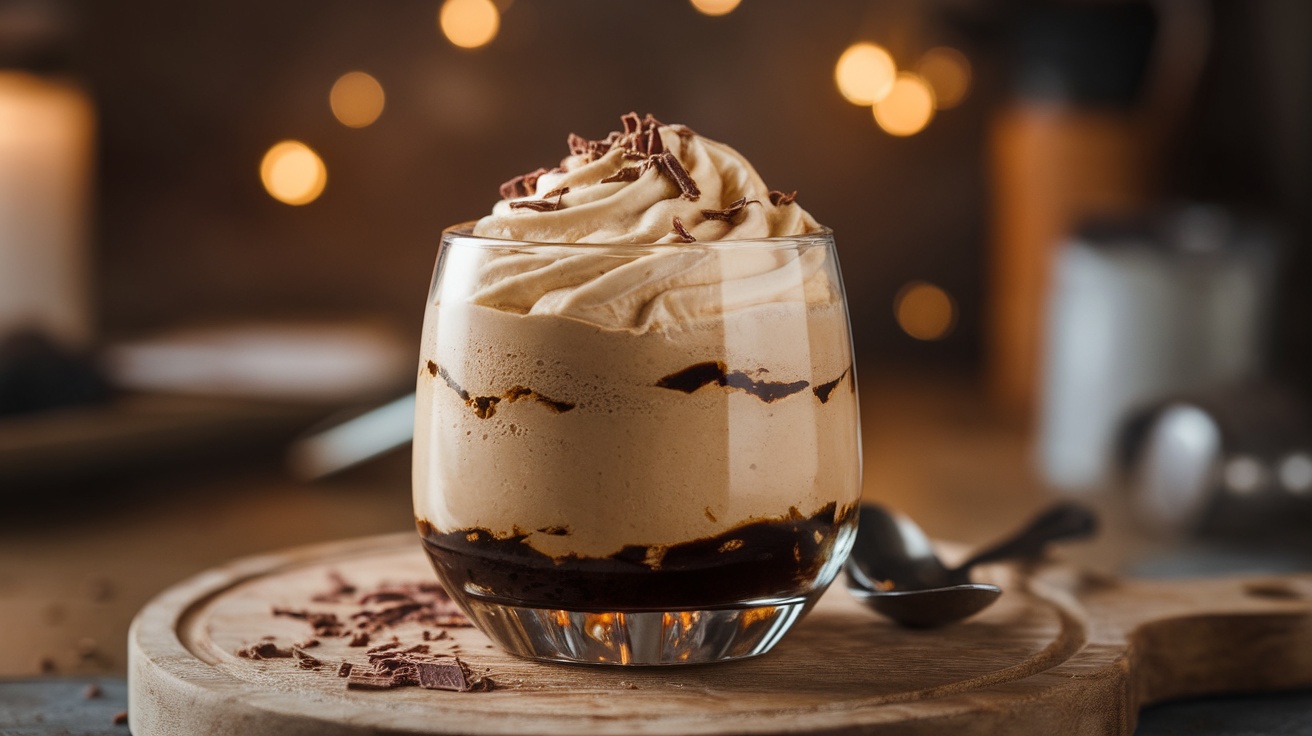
630 187
669 190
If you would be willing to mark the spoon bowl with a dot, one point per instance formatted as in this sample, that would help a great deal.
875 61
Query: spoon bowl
908 607
893 568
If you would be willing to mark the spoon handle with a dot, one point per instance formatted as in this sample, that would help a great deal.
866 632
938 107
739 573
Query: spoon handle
1065 520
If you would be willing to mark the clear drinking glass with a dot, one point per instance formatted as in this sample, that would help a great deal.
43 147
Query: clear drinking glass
636 454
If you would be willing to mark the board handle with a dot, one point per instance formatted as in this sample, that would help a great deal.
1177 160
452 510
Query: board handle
1199 637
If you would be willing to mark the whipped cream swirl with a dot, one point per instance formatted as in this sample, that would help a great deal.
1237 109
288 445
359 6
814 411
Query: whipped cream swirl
665 188
630 186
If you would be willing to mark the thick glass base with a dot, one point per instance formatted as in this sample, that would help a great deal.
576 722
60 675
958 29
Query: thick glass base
637 638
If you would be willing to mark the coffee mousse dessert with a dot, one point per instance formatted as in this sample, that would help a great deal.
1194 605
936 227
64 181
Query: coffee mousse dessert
629 399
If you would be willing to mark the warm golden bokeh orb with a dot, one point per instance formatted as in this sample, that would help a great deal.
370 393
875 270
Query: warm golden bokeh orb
356 99
293 173
715 7
948 73
924 311
469 23
907 108
865 73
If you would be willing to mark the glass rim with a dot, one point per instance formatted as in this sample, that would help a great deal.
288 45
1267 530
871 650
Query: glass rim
464 233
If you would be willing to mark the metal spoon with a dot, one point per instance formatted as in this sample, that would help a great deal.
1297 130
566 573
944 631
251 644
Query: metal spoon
893 569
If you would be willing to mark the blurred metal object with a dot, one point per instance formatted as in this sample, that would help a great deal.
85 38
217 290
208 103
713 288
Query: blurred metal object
1229 460
1141 311
354 441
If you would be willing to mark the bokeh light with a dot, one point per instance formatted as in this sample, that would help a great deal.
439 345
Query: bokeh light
865 73
356 99
715 7
1296 473
924 311
1244 475
948 73
469 23
293 173
907 108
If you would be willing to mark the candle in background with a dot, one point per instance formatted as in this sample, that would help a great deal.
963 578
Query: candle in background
46 129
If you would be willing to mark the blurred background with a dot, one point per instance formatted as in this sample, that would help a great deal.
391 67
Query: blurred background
1075 237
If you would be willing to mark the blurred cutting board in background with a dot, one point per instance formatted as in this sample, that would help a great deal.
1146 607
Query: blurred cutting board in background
204 392
139 432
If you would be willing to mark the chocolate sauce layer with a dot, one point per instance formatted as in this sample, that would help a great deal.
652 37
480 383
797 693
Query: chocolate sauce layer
778 558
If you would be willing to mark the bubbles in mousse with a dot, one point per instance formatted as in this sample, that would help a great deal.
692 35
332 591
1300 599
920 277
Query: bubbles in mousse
633 402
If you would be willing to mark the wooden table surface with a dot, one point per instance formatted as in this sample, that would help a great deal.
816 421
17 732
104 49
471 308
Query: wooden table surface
77 563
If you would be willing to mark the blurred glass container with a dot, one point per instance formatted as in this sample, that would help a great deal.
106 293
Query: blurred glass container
1140 312
47 129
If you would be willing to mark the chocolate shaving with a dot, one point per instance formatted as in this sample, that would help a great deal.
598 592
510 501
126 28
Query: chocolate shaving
305 660
265 650
323 622
654 143
359 639
728 213
344 669
380 680
537 205
669 165
683 231
632 123
521 186
120 718
341 588
451 675
779 199
628 173
577 144
384 596
542 205
393 644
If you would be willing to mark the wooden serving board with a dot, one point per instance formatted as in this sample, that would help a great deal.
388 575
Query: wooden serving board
1061 652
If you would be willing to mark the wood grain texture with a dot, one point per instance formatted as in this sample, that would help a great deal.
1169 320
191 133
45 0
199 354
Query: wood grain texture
1061 652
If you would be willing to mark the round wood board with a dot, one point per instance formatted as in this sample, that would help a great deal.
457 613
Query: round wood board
1062 654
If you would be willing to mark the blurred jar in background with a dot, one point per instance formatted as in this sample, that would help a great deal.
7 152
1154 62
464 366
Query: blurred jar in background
47 129
1141 311
1099 90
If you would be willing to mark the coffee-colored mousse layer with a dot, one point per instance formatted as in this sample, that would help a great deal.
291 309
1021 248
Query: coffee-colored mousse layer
538 422
770 559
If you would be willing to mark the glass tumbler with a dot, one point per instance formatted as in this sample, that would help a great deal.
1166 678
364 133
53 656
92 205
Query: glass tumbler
636 454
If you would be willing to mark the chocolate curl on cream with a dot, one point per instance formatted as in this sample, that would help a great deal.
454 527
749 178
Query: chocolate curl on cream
522 185
545 204
668 164
728 213
779 199
684 235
